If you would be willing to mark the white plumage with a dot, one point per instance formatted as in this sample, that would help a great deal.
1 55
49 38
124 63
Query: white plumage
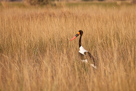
85 60
93 66
82 50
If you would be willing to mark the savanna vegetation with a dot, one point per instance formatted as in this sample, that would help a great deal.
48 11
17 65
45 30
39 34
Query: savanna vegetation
36 54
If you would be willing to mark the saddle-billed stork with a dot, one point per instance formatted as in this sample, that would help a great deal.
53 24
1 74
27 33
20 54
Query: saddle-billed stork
84 54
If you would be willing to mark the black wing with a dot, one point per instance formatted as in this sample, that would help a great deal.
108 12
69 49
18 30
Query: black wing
91 57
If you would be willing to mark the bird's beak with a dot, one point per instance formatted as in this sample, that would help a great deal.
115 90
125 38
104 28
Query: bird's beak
75 36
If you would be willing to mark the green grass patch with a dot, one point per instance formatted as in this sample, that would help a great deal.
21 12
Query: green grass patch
18 4
104 4
68 4
12 4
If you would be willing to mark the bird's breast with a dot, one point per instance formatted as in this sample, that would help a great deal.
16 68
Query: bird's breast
82 50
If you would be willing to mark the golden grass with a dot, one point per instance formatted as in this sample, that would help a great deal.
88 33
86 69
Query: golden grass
36 54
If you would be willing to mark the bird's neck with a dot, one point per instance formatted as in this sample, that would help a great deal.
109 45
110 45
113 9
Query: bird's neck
80 40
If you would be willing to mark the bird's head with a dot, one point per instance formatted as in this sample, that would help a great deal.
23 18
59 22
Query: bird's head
80 32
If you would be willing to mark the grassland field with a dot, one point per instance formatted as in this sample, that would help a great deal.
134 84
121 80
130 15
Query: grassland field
36 54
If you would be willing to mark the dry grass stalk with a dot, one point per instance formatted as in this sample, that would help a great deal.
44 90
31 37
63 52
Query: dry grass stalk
36 54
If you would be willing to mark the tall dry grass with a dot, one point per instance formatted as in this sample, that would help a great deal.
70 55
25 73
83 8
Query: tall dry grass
36 54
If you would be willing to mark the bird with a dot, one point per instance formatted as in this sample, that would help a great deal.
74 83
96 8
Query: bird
83 53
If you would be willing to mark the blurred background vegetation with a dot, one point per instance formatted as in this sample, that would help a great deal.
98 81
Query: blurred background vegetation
47 2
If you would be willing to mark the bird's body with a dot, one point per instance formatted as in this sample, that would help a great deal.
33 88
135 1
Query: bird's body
82 50
84 54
